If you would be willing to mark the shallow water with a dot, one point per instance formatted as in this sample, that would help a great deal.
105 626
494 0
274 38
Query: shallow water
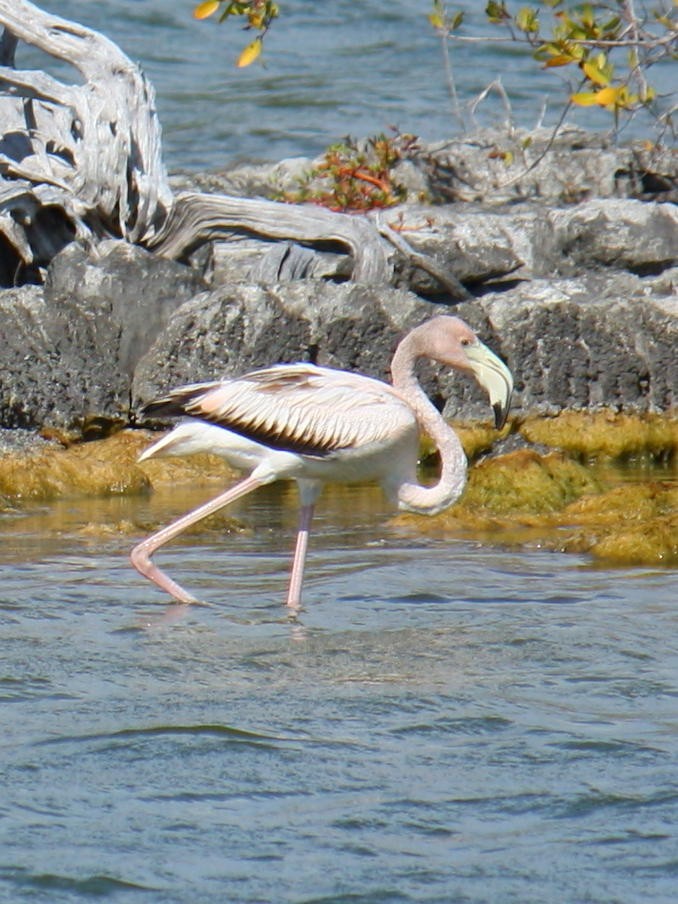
443 722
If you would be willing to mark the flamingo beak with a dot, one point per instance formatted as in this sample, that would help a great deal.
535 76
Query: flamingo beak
494 377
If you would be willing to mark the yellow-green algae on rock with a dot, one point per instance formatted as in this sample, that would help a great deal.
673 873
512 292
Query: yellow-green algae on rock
632 524
527 482
478 439
606 434
551 501
100 468
508 496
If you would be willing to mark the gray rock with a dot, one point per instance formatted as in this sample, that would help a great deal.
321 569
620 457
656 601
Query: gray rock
583 306
345 326
638 236
68 351
116 299
516 211
498 167
529 240
242 259
240 327
247 179
490 166
472 244
480 246
596 341
591 342
15 441
31 390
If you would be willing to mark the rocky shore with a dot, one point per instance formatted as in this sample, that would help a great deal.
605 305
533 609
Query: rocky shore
570 274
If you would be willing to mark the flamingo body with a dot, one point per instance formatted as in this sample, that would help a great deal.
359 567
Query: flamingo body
296 421
316 425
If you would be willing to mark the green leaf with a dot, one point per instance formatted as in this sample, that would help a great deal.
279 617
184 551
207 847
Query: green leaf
527 20
496 11
457 20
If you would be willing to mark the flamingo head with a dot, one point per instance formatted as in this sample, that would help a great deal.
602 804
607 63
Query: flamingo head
452 342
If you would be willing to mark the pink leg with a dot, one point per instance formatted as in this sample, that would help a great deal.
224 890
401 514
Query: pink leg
297 576
141 554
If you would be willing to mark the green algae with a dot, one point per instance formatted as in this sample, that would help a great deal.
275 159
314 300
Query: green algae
100 468
606 435
527 482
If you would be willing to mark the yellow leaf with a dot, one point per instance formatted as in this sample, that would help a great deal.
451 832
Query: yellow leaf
594 72
560 60
584 99
607 96
249 54
436 20
204 10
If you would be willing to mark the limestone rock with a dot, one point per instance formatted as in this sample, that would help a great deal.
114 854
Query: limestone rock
69 350
637 236
239 327
590 342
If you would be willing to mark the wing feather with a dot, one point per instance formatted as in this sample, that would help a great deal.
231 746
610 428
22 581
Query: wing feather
298 408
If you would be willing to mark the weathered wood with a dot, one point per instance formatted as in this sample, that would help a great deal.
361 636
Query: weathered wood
455 289
99 142
196 218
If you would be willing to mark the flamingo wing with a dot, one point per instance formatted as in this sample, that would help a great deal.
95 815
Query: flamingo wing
299 408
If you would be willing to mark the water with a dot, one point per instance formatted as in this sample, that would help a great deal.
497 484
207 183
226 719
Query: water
444 722
331 69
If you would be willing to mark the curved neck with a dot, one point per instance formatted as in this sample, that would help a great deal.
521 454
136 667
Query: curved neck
414 497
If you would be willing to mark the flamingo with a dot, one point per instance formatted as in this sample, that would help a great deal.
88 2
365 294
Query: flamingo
316 424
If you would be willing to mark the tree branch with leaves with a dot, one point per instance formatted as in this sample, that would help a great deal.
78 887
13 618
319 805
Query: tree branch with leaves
609 47
258 16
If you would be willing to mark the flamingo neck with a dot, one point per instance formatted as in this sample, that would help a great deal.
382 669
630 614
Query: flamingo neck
412 496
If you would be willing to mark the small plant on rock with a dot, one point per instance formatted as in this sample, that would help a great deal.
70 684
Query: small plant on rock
354 176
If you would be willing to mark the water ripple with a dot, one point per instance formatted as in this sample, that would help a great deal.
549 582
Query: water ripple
406 739
99 886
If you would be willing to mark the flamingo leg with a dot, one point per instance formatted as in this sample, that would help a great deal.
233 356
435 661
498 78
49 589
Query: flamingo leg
297 575
141 554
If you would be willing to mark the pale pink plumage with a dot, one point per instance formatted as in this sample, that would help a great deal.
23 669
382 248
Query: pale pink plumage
316 425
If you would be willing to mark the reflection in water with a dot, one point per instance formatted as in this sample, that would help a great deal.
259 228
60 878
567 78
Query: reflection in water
443 721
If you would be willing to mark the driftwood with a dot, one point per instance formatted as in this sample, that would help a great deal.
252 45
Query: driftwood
196 218
83 161
456 290
91 151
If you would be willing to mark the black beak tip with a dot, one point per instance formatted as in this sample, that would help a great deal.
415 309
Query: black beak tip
500 414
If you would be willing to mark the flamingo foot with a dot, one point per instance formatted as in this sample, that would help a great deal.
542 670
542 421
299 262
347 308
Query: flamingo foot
142 562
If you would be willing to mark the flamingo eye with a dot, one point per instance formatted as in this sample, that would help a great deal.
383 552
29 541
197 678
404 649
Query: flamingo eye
465 342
